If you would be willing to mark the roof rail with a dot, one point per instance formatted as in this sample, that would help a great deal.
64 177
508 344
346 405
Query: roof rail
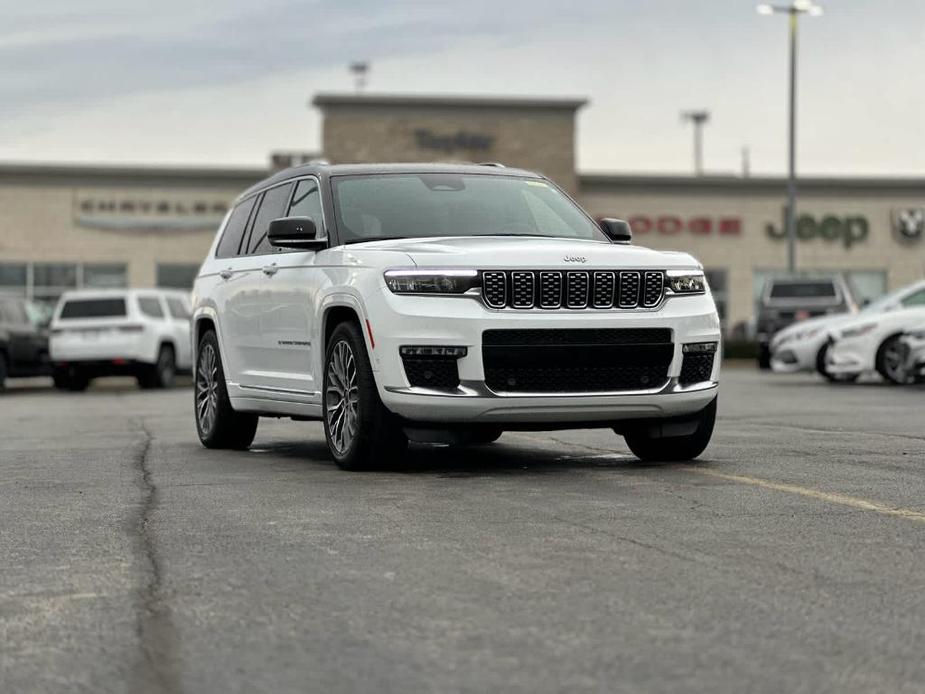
496 164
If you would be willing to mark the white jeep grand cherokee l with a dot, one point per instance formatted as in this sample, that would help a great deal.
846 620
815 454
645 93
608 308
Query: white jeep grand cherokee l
446 303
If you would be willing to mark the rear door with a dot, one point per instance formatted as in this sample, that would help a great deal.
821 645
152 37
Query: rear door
251 301
25 341
232 293
291 282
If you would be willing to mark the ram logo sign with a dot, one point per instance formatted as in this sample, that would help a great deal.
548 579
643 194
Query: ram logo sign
909 223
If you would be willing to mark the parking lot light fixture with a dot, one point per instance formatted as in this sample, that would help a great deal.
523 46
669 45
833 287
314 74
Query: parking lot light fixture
793 11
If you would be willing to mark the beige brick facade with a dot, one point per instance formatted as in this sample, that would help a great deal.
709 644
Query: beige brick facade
146 218
533 134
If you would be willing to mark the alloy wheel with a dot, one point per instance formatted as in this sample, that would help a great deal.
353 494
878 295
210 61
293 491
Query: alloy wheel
207 388
894 361
341 398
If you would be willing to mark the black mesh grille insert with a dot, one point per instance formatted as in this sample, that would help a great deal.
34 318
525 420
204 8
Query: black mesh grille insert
550 289
696 368
522 290
575 289
527 337
629 289
576 360
604 284
494 289
652 289
431 372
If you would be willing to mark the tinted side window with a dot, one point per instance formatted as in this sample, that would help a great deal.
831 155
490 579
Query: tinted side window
177 309
307 201
150 306
234 230
273 206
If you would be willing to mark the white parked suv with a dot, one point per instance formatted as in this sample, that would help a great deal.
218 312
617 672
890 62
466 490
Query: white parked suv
109 332
446 303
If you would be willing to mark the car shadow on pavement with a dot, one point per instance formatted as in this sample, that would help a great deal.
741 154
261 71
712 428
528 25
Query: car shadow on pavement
470 461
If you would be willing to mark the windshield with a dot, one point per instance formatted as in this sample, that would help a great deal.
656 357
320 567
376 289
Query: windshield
444 204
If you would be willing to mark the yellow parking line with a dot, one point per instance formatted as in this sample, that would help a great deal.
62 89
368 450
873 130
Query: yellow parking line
831 497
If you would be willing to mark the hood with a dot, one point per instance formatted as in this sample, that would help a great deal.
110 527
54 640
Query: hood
900 320
820 322
527 252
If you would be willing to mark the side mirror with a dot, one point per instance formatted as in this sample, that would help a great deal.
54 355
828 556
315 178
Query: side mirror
295 232
617 230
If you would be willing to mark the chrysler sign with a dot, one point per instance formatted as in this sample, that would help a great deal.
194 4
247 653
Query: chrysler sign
144 212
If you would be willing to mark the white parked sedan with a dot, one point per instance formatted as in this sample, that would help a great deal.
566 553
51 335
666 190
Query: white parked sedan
874 343
802 346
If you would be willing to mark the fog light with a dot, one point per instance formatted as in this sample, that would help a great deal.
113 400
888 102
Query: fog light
432 351
698 347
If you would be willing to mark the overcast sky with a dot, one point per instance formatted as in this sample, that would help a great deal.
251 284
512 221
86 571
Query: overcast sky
223 83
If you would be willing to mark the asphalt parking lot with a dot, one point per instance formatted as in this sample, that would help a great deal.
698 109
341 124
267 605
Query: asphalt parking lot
790 558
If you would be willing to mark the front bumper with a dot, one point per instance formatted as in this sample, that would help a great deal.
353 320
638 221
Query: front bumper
460 321
796 355
850 357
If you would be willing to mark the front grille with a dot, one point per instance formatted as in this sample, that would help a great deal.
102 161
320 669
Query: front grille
576 360
696 368
573 289
426 372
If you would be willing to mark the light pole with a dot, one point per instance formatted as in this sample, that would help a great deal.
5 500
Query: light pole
698 118
360 71
793 11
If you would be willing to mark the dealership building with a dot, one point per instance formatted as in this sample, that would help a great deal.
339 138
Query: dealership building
63 227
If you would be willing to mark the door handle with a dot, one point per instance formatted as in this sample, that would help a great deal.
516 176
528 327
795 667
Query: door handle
270 269
225 274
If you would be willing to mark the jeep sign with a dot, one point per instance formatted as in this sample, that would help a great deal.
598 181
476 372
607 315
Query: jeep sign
845 230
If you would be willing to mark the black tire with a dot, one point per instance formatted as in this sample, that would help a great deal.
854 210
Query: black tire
674 448
764 357
162 373
885 365
70 378
225 428
4 370
377 437
482 437
833 378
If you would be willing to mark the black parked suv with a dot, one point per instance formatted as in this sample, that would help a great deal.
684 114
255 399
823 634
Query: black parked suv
23 340
786 300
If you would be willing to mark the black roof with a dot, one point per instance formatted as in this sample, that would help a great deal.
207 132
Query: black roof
327 170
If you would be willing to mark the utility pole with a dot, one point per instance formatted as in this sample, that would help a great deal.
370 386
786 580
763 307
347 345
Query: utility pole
793 12
698 118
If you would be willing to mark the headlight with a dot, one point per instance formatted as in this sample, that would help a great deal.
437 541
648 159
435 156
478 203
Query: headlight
687 282
431 281
859 330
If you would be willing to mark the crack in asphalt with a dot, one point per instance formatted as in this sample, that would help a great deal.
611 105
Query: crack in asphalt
156 632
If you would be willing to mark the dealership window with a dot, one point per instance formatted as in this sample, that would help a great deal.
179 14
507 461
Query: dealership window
176 276
104 276
45 282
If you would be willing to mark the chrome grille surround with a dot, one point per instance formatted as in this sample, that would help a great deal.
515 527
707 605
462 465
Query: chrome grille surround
576 292
628 295
574 289
522 289
494 289
653 288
